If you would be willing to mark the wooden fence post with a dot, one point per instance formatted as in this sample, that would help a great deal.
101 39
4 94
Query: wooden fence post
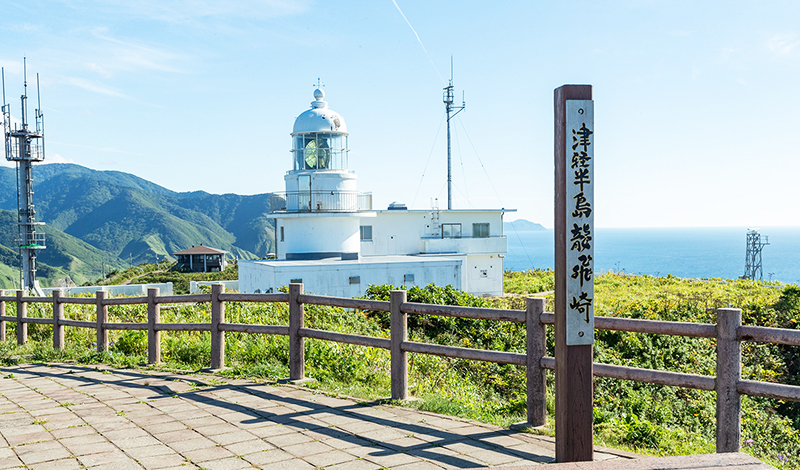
153 335
102 319
399 334
729 372
297 354
2 313
58 315
22 312
535 374
217 336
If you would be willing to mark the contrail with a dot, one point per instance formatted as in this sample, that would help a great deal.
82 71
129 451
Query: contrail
418 39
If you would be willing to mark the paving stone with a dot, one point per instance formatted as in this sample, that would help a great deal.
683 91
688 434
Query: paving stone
231 463
391 459
126 444
20 439
122 463
326 459
295 464
215 429
268 457
193 444
149 451
161 461
307 448
284 440
355 465
207 453
232 437
175 436
72 432
61 464
249 447
419 466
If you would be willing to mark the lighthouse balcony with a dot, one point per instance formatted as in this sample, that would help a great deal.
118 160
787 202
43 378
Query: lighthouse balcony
320 201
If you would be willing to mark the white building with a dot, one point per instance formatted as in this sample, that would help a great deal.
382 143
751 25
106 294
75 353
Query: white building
329 238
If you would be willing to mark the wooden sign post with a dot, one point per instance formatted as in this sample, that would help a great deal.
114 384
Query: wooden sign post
574 271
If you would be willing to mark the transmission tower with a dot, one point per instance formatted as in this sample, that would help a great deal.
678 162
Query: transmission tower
24 146
752 262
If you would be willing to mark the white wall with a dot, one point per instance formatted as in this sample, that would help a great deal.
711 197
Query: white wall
129 290
409 232
317 233
194 286
333 278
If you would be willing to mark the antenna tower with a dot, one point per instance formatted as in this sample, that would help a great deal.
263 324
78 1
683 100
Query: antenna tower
24 146
752 262
447 97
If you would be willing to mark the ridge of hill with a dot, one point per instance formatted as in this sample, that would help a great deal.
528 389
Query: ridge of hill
120 218
522 225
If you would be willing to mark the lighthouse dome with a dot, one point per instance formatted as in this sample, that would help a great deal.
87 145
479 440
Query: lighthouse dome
320 118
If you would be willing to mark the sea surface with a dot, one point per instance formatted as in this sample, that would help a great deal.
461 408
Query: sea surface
716 252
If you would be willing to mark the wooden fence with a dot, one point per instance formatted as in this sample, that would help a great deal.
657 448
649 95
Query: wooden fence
728 332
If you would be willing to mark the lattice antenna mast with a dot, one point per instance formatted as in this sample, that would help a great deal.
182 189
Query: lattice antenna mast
24 146
447 97
752 262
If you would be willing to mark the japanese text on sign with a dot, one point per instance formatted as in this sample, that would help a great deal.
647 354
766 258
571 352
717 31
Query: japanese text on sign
580 221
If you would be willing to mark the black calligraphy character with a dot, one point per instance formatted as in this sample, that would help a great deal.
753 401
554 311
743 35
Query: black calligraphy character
582 177
581 236
582 206
582 305
583 271
580 159
581 137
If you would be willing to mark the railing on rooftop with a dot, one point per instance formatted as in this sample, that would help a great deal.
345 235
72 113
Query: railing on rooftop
728 333
320 201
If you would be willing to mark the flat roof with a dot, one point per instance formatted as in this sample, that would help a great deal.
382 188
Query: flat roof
364 260
200 250
443 210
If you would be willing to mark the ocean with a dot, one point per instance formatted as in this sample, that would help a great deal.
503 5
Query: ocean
712 252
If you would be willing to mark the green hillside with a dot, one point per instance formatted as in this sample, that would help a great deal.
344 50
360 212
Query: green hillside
121 216
65 256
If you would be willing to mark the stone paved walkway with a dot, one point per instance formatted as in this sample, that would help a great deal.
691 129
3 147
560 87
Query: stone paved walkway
67 416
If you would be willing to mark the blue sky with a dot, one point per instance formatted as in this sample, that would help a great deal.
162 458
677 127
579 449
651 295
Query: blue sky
695 102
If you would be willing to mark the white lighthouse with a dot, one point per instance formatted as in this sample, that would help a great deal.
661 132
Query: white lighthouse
329 237
319 213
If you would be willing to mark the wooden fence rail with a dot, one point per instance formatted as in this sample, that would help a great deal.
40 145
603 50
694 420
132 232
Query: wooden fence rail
728 333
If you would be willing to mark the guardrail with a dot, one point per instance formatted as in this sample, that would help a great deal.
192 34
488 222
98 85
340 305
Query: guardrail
728 332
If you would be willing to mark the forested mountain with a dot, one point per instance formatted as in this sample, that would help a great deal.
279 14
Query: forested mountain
95 216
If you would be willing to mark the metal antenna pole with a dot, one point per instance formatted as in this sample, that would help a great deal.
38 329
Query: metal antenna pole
448 105
25 147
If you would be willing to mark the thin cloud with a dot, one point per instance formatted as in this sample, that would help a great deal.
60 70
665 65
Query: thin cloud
198 11
100 149
93 87
127 55
783 44
57 158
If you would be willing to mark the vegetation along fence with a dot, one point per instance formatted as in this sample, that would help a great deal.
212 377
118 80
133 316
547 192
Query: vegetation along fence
728 333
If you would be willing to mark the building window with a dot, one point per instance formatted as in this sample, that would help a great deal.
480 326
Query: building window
355 279
451 230
281 233
366 233
296 281
408 278
480 230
